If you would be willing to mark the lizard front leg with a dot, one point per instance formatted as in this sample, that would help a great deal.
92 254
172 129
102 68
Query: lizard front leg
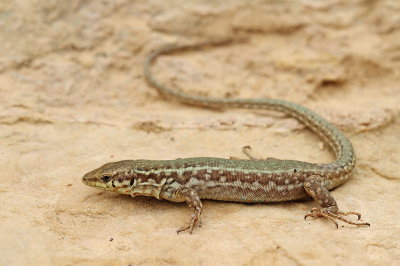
194 202
329 209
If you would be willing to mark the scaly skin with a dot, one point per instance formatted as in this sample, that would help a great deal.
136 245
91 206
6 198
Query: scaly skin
269 180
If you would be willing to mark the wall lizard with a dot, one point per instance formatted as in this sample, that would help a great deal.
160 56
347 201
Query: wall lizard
251 181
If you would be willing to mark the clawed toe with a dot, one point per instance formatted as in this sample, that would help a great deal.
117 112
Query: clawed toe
349 213
315 213
195 220
188 227
184 228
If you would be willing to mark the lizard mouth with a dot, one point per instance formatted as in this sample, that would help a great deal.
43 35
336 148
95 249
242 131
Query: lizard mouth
85 179
96 184
88 183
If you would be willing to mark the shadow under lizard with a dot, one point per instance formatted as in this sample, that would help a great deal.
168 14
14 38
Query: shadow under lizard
270 180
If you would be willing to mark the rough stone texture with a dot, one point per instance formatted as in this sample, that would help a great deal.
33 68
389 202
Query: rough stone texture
73 97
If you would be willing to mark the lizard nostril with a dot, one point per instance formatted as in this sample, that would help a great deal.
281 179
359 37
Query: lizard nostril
84 179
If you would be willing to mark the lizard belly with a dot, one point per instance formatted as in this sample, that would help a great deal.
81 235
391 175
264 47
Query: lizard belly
251 193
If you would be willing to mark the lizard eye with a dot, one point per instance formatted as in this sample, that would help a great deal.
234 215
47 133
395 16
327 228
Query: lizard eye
133 181
106 178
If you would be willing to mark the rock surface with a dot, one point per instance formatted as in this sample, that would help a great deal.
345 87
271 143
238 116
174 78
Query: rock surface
73 97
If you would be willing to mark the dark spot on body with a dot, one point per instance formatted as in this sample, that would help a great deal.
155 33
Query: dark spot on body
132 182
185 165
295 170
187 174
153 176
215 175
161 175
142 176
112 183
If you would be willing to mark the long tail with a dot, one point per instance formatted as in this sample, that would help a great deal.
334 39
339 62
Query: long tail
338 142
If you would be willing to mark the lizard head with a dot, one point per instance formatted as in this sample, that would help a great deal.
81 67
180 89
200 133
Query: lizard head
114 176
126 177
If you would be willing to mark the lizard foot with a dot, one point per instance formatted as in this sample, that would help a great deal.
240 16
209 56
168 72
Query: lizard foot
195 219
326 213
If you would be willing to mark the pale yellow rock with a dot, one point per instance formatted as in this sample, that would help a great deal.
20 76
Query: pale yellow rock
73 97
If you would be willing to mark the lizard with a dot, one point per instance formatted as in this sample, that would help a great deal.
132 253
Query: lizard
248 181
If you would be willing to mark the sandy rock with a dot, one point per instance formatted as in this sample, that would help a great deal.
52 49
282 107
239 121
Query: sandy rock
73 97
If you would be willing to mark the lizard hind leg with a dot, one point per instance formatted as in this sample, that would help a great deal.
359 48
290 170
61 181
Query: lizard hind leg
329 209
247 151
194 202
